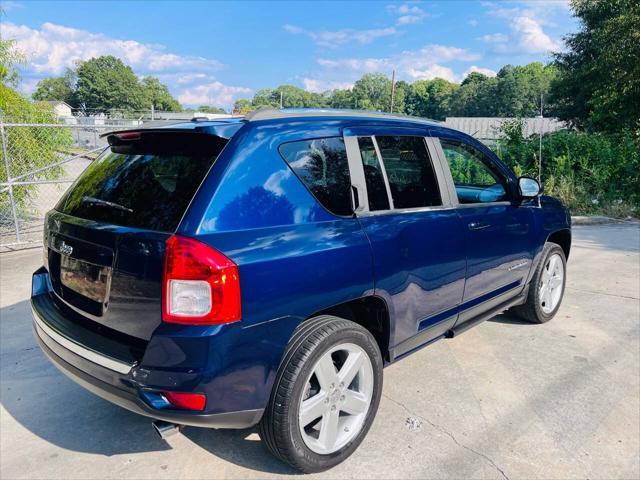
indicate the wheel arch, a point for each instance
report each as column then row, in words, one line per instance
column 371, row 312
column 563, row 238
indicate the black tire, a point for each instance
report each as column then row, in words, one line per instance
column 279, row 427
column 532, row 310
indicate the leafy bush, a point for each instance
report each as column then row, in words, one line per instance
column 590, row 173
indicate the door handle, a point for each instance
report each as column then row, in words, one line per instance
column 478, row 226
column 355, row 199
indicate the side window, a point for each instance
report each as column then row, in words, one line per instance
column 475, row 182
column 376, row 190
column 322, row 165
column 412, row 179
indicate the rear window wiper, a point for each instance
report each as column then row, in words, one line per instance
column 105, row 203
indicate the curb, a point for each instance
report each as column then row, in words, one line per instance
column 599, row 220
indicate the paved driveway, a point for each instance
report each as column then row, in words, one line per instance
column 503, row 400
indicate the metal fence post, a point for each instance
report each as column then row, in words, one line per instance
column 9, row 179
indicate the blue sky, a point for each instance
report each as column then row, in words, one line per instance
column 215, row 52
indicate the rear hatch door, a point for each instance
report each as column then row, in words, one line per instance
column 105, row 239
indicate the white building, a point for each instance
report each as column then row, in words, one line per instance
column 62, row 110
column 487, row 129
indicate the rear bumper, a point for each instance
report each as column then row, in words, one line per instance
column 114, row 378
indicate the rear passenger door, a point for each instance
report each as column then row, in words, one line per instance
column 416, row 234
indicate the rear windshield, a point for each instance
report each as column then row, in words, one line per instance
column 144, row 184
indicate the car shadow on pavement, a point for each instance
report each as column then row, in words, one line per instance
column 240, row 447
column 509, row 319
column 38, row 397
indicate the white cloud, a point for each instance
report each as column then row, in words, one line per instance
column 335, row 38
column 526, row 22
column 431, row 72
column 424, row 63
column 485, row 71
column 531, row 37
column 473, row 22
column 360, row 65
column 213, row 93
column 494, row 38
column 190, row 78
column 315, row 85
column 407, row 14
column 52, row 48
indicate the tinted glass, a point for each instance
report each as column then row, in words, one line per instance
column 376, row 191
column 322, row 165
column 411, row 176
column 475, row 182
column 137, row 189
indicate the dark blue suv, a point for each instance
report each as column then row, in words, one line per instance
column 263, row 270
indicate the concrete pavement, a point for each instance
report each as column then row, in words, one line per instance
column 504, row 400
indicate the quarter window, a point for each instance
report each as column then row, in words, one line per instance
column 475, row 182
column 322, row 166
column 412, row 179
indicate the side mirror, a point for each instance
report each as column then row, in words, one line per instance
column 529, row 187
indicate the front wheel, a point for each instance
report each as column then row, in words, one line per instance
column 547, row 286
column 325, row 396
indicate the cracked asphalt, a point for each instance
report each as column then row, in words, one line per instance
column 505, row 400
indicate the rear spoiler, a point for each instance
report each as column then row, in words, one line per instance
column 224, row 130
column 163, row 140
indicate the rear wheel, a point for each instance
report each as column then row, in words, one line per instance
column 547, row 286
column 326, row 394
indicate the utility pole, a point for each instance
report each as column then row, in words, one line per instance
column 152, row 113
column 393, row 89
column 540, row 145
column 280, row 98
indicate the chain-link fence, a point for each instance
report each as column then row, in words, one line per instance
column 39, row 159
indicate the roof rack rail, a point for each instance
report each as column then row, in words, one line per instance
column 272, row 113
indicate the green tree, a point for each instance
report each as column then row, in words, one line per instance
column 265, row 98
column 57, row 88
column 518, row 89
column 105, row 83
column 598, row 87
column 340, row 98
column 430, row 98
column 157, row 94
column 400, row 97
column 372, row 92
column 242, row 106
column 476, row 97
column 10, row 57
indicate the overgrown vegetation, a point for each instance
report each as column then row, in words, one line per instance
column 590, row 172
column 29, row 148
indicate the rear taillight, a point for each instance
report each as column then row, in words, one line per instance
column 200, row 286
column 186, row 401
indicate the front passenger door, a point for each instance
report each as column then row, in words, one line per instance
column 499, row 244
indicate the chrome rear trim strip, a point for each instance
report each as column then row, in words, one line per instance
column 92, row 356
